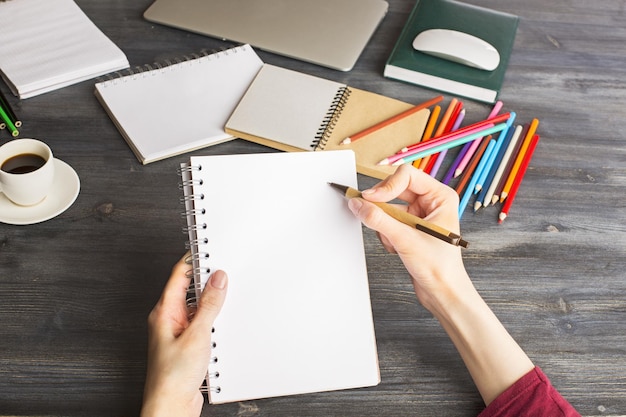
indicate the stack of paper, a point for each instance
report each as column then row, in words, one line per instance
column 49, row 44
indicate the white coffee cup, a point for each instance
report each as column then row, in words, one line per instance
column 26, row 171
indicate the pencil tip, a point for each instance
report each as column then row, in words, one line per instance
column 346, row 141
column 501, row 218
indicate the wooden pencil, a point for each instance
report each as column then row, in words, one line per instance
column 407, row 218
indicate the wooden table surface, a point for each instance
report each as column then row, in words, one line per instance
column 76, row 290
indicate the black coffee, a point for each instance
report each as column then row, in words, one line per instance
column 23, row 163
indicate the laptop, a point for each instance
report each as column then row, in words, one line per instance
column 330, row 33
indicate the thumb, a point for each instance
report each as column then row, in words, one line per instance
column 212, row 299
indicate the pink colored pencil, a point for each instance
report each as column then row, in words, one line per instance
column 433, row 143
column 442, row 154
column 469, row 151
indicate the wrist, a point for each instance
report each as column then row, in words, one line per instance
column 166, row 406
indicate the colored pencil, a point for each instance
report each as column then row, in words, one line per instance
column 441, row 128
column 469, row 190
column 9, row 110
column 501, row 138
column 504, row 212
column 448, row 177
column 518, row 160
column 481, row 199
column 392, row 120
column 509, row 165
column 467, row 174
column 472, row 127
column 451, row 144
column 432, row 143
column 489, row 197
column 439, row 160
column 430, row 127
column 469, row 150
column 8, row 122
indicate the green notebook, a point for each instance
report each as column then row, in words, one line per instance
column 494, row 27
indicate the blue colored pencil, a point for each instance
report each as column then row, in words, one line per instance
column 498, row 145
column 470, row 187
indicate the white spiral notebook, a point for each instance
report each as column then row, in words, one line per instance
column 297, row 318
column 168, row 109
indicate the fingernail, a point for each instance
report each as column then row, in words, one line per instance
column 368, row 191
column 218, row 280
column 355, row 204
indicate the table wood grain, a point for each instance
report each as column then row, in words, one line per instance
column 76, row 290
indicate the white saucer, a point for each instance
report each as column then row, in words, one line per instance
column 63, row 194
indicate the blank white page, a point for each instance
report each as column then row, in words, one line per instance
column 297, row 316
column 180, row 107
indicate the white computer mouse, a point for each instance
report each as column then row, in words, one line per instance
column 458, row 47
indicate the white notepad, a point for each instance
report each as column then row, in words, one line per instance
column 49, row 44
column 297, row 317
column 178, row 108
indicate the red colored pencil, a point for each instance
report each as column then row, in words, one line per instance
column 504, row 212
column 391, row 120
column 493, row 121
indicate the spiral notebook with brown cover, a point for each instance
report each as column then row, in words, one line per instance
column 293, row 111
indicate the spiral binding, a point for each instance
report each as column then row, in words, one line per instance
column 197, row 253
column 331, row 118
column 153, row 69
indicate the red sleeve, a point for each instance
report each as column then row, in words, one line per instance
column 531, row 396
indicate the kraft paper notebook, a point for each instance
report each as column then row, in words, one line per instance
column 297, row 318
column 494, row 27
column 293, row 111
column 167, row 109
column 49, row 44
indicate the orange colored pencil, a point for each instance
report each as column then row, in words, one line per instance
column 430, row 127
column 518, row 160
column 471, row 166
column 391, row 120
column 504, row 212
column 440, row 129
column 447, row 129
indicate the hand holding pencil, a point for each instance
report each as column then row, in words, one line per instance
column 426, row 198
column 429, row 261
